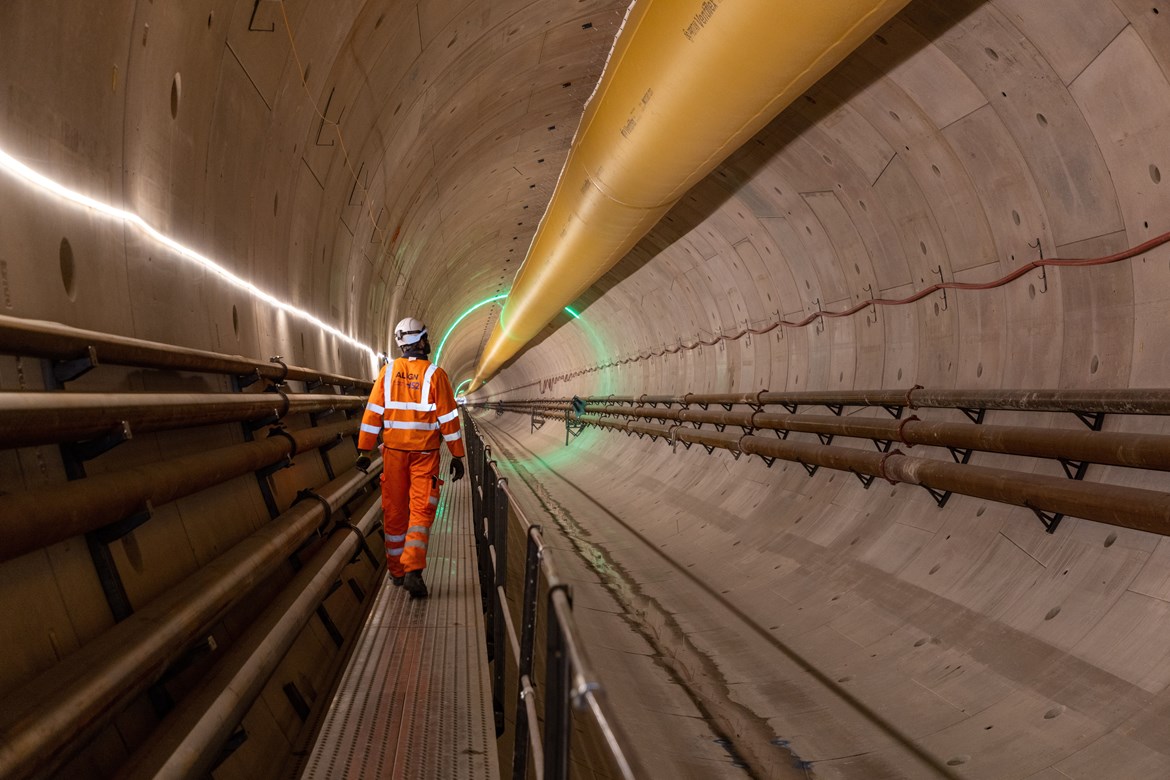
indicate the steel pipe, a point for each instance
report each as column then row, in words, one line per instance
column 52, row 340
column 37, row 518
column 1134, row 450
column 28, row 419
column 1124, row 401
column 44, row 722
column 1137, row 508
column 187, row 742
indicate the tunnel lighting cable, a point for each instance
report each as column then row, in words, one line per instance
column 462, row 385
column 27, row 175
column 680, row 346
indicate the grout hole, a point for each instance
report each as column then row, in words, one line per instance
column 1155, row 174
column 236, row 322
column 176, row 94
column 67, row 269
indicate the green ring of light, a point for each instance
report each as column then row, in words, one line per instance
column 460, row 318
column 462, row 385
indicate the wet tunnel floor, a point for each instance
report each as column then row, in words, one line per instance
column 710, row 689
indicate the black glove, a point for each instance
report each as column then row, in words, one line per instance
column 363, row 462
column 456, row 469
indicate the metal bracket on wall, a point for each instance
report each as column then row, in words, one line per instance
column 1050, row 520
column 58, row 372
column 941, row 497
column 83, row 451
column 1094, row 420
column 974, row 415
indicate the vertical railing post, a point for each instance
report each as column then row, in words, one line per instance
column 527, row 643
column 558, row 677
column 499, row 540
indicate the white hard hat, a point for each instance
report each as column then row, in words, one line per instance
column 409, row 331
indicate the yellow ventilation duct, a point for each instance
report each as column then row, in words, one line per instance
column 687, row 83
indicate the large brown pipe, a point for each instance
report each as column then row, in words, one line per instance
column 1126, row 401
column 186, row 743
column 37, row 518
column 37, row 338
column 45, row 418
column 1143, row 510
column 1136, row 450
column 1140, row 509
column 44, row 722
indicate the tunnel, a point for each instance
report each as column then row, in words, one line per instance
column 849, row 452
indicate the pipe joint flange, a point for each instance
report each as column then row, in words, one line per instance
column 881, row 469
column 341, row 525
column 309, row 495
column 909, row 400
column 278, row 430
column 279, row 360
column 280, row 415
column 901, row 431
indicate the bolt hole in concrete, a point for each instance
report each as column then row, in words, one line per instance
column 1155, row 174
column 957, row 760
column 1052, row 613
column 67, row 269
column 236, row 322
column 1043, row 120
column 1054, row 712
column 210, row 16
column 1015, row 216
column 1110, row 539
column 176, row 94
column 1094, row 365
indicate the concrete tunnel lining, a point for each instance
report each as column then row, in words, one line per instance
column 948, row 144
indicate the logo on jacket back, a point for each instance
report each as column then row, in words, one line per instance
column 410, row 379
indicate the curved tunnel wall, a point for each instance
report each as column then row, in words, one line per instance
column 952, row 140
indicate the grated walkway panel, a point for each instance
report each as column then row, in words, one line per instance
column 415, row 698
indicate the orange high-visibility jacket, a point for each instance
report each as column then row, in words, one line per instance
column 412, row 405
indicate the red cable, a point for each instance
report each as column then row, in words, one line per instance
column 1054, row 262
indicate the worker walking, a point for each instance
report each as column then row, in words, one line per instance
column 411, row 406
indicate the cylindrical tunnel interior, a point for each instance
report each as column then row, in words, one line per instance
column 365, row 161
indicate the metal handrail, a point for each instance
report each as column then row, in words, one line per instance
column 570, row 682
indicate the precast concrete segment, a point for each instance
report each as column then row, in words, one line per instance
column 685, row 85
column 188, row 742
column 49, row 718
column 43, row 418
column 34, row 519
column 415, row 698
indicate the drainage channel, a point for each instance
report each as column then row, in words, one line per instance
column 745, row 735
column 749, row 742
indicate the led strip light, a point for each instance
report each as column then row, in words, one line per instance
column 23, row 173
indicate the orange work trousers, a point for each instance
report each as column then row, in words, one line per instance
column 410, row 495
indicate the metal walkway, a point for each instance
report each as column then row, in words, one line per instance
column 414, row 701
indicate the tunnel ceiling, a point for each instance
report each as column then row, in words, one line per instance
column 397, row 162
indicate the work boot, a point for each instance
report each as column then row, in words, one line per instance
column 414, row 585
column 397, row 580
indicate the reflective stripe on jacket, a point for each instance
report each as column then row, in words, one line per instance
column 413, row 407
